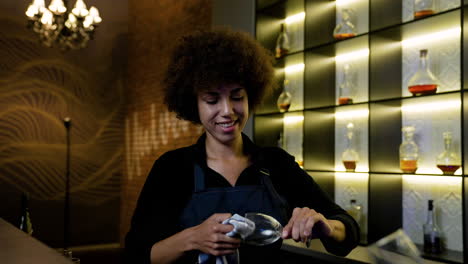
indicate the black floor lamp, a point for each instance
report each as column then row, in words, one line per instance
column 66, row 212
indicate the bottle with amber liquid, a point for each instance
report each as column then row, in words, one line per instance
column 345, row 29
column 448, row 161
column 346, row 88
column 285, row 98
column 423, row 82
column 432, row 234
column 25, row 223
column 282, row 43
column 423, row 8
column 408, row 151
column 350, row 157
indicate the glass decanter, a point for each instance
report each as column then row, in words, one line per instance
column 432, row 234
column 423, row 8
column 350, row 156
column 285, row 98
column 282, row 43
column 345, row 29
column 346, row 87
column 448, row 161
column 408, row 151
column 423, row 81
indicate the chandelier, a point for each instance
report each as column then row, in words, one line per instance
column 58, row 28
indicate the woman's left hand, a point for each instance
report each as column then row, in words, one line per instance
column 305, row 224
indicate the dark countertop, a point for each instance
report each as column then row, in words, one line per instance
column 16, row 247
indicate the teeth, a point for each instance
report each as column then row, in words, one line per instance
column 226, row 124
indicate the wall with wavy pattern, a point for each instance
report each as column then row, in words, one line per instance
column 40, row 86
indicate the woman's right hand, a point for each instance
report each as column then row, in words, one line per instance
column 210, row 236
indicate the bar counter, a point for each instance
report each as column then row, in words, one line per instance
column 17, row 247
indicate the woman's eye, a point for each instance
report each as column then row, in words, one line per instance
column 238, row 98
column 211, row 101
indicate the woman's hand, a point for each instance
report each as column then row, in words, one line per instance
column 210, row 236
column 305, row 224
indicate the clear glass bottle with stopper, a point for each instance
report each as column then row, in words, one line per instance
column 350, row 157
column 423, row 82
column 448, row 161
column 408, row 151
column 285, row 98
column 346, row 88
column 432, row 234
column 345, row 29
column 423, row 8
column 282, row 43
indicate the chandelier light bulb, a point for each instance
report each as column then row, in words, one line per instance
column 80, row 9
column 32, row 11
column 94, row 13
column 71, row 22
column 39, row 3
column 47, row 17
column 57, row 7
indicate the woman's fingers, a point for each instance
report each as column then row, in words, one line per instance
column 306, row 223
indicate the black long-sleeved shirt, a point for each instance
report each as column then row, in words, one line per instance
column 170, row 184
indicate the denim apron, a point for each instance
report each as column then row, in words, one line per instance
column 261, row 198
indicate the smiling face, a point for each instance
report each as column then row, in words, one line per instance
column 223, row 112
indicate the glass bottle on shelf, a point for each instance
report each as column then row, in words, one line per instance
column 355, row 210
column 346, row 87
column 423, row 82
column 432, row 238
column 350, row 156
column 345, row 29
column 448, row 161
column 423, row 8
column 408, row 151
column 25, row 223
column 282, row 43
column 284, row 99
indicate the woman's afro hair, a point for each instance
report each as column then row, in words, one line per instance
column 209, row 58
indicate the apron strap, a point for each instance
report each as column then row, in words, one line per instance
column 199, row 179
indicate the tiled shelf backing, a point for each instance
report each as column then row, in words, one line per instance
column 447, row 195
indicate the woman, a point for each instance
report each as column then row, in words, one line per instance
column 217, row 78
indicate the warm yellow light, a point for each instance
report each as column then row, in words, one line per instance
column 431, row 180
column 435, row 171
column 437, row 106
column 295, row 18
column 362, row 113
column 344, row 2
column 352, row 55
column 355, row 177
column 289, row 120
column 437, row 36
column 294, row 68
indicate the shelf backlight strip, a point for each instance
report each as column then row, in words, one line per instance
column 295, row 18
column 352, row 55
column 431, row 180
column 294, row 68
column 289, row 120
column 346, row 176
column 352, row 114
column 435, row 171
column 437, row 36
column 344, row 2
column 434, row 106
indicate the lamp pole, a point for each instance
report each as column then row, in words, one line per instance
column 66, row 213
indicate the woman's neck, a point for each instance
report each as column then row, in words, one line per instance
column 216, row 149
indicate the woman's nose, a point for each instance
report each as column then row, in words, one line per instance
column 227, row 107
